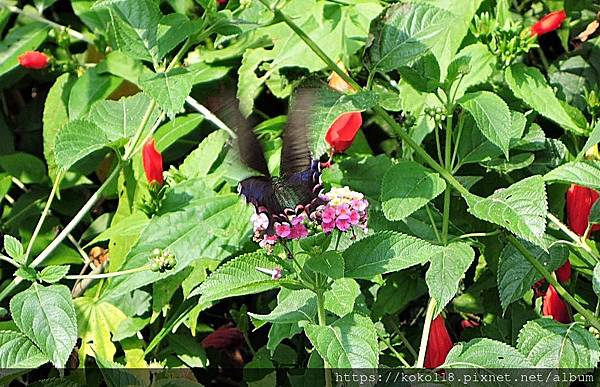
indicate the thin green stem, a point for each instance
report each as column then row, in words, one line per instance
column 398, row 356
column 588, row 315
column 433, row 225
column 578, row 241
column 209, row 116
column 405, row 341
column 134, row 140
column 9, row 260
column 323, row 322
column 108, row 275
column 425, row 336
column 477, row 234
column 44, row 214
column 448, row 167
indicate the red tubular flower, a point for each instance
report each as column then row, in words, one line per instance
column 554, row 306
column 34, row 60
column 579, row 203
column 153, row 163
column 548, row 23
column 439, row 344
column 342, row 132
column 225, row 337
column 563, row 273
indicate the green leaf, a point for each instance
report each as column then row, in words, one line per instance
column 46, row 315
column 327, row 107
column 292, row 306
column 529, row 84
column 425, row 74
column 593, row 139
column 279, row 332
column 119, row 120
column 88, row 89
column 193, row 222
column 169, row 133
column 27, row 273
column 55, row 116
column 53, row 274
column 596, row 279
column 516, row 275
column 550, row 344
column 350, row 342
column 25, row 167
column 492, row 116
column 514, row 163
column 236, row 278
column 14, row 248
column 329, row 263
column 76, row 140
column 200, row 161
column 408, row 186
column 169, row 89
column 585, row 173
column 342, row 297
column 97, row 320
column 404, row 33
column 485, row 353
column 116, row 375
column 448, row 265
column 521, row 208
column 19, row 40
column 17, row 351
column 385, row 252
column 397, row 292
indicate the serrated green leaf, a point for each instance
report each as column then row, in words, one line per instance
column 46, row 315
column 193, row 222
column 17, row 351
column 97, row 320
column 76, row 140
column 516, row 162
column 199, row 162
column 116, row 375
column 27, row 273
column 350, row 342
column 521, row 208
column 341, row 298
column 169, row 89
column 279, row 332
column 529, row 84
column 448, row 265
column 585, row 173
column 24, row 166
column 52, row 274
column 404, row 33
column 88, row 89
column 593, row 139
column 408, row 186
column 516, row 275
column 480, row 62
column 236, row 278
column 329, row 263
column 385, row 252
column 172, row 131
column 549, row 344
column 596, row 279
column 14, row 248
column 492, row 117
column 327, row 107
column 485, row 353
column 292, row 307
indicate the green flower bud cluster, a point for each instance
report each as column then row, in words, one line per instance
column 438, row 114
column 162, row 260
column 408, row 121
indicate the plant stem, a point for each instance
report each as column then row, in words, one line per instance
column 109, row 275
column 75, row 34
column 63, row 234
column 433, row 225
column 588, row 315
column 448, row 167
column 44, row 214
column 477, row 234
column 425, row 336
column 579, row 241
column 9, row 260
column 134, row 140
column 323, row 322
column 209, row 116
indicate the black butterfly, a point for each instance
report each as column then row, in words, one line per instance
column 298, row 186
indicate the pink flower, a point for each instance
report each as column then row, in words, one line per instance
column 260, row 221
column 354, row 218
column 328, row 226
column 359, row 204
column 298, row 231
column 276, row 274
column 342, row 224
column 328, row 215
column 297, row 220
column 282, row 229
column 268, row 240
column 343, row 211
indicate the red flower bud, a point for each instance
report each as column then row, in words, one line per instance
column 222, row 2
column 548, row 23
column 341, row 133
column 579, row 203
column 34, row 60
column 563, row 273
column 439, row 344
column 225, row 337
column 153, row 163
column 554, row 306
column 469, row 324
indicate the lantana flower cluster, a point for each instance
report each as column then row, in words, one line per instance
column 344, row 208
column 293, row 228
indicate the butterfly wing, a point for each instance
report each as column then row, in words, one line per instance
column 295, row 153
column 226, row 106
column 260, row 192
